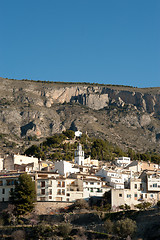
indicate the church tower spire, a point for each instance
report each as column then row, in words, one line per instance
column 79, row 155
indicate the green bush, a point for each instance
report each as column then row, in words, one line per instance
column 143, row 206
column 65, row 229
column 43, row 231
column 69, row 134
column 81, row 204
column 108, row 224
column 125, row 227
column 125, row 207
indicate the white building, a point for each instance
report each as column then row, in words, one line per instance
column 78, row 134
column 122, row 161
column 91, row 162
column 21, row 159
column 1, row 164
column 65, row 168
column 135, row 194
column 115, row 179
column 93, row 188
column 59, row 189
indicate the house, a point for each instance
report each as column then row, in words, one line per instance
column 59, row 189
column 78, row 134
column 91, row 162
column 152, row 179
column 65, row 168
column 122, row 161
column 7, row 184
column 114, row 178
column 135, row 194
column 139, row 166
column 93, row 187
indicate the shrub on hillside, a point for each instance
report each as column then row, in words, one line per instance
column 108, row 224
column 125, row 227
column 81, row 204
column 65, row 229
column 143, row 206
column 69, row 134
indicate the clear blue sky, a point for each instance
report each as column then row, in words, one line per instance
column 103, row 41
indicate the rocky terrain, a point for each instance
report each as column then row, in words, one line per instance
column 123, row 115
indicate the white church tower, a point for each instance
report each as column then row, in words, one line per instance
column 79, row 155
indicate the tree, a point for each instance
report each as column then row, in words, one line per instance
column 108, row 224
column 125, row 227
column 24, row 195
column 81, row 204
column 69, row 133
column 65, row 229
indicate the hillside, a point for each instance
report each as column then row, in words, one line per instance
column 30, row 111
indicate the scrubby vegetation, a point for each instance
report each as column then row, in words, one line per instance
column 81, row 221
column 62, row 146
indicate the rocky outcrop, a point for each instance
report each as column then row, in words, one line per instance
column 30, row 108
column 47, row 94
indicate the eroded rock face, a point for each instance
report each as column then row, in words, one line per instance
column 45, row 94
column 40, row 109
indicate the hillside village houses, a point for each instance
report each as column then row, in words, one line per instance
column 130, row 182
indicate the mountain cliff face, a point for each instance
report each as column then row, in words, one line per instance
column 126, row 116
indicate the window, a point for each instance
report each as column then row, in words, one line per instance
column 99, row 190
column 128, row 195
column 1, row 183
column 154, row 184
column 42, row 191
column 63, row 192
column 43, row 184
column 140, row 186
column 150, row 185
column 58, row 192
column 146, row 195
column 120, row 194
column 86, row 183
column 10, row 182
column 91, row 190
column 50, row 183
column 68, row 194
column 59, row 184
column 50, row 197
column 92, row 183
column 63, row 184
column 3, row 191
column 135, row 186
column 42, row 198
column 135, row 195
column 98, row 183
column 151, row 195
column 67, row 199
column 50, row 191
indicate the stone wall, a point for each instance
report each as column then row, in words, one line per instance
column 49, row 207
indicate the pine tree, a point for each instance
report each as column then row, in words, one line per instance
column 24, row 194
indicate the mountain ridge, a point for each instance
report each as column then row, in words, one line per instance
column 124, row 115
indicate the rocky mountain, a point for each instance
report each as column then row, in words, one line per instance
column 126, row 116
